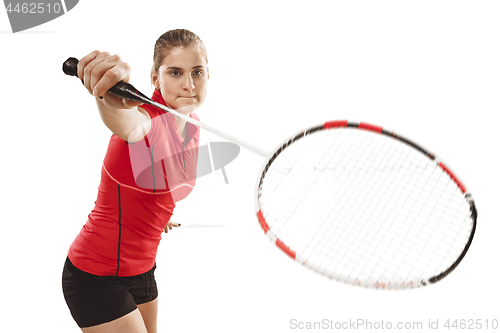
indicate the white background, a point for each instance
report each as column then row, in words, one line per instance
column 426, row 69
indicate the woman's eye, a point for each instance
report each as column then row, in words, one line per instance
column 198, row 73
column 175, row 73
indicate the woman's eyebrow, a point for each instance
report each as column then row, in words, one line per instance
column 178, row 68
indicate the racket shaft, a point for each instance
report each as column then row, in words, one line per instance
column 129, row 92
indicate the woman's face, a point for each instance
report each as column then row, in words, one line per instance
column 182, row 78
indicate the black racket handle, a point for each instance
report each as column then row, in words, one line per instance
column 121, row 89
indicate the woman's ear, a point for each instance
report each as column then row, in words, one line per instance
column 154, row 79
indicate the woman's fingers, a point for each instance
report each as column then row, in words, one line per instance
column 170, row 225
column 87, row 64
column 100, row 71
column 84, row 62
column 107, row 73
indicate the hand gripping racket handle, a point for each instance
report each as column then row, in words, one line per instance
column 121, row 89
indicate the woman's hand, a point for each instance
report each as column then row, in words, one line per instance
column 99, row 72
column 171, row 225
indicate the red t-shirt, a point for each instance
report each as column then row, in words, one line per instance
column 140, row 184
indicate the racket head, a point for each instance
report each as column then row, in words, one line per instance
column 362, row 205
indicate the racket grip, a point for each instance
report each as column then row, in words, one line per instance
column 121, row 89
column 70, row 67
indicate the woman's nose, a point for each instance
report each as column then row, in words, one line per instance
column 188, row 83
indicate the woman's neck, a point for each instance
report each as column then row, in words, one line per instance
column 181, row 126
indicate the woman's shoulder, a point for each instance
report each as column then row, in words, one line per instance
column 150, row 110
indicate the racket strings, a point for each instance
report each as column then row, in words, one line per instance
column 453, row 234
column 366, row 242
column 370, row 216
column 288, row 168
column 421, row 238
column 402, row 251
column 405, row 229
column 358, row 206
column 328, row 154
column 359, row 215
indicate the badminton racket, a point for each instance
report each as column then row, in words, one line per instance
column 356, row 203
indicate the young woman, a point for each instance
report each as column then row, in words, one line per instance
column 108, row 278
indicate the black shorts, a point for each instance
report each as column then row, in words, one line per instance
column 95, row 300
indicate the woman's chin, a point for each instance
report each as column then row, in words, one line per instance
column 186, row 109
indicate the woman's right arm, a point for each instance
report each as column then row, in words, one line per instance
column 100, row 71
